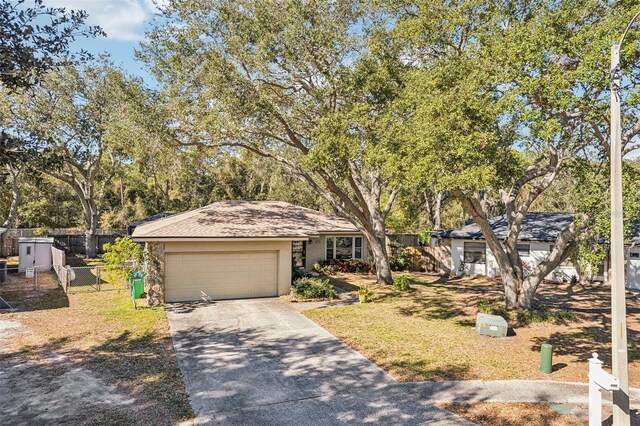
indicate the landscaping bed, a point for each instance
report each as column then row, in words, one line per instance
column 428, row 333
column 95, row 359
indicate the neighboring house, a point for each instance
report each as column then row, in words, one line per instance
column 537, row 237
column 132, row 226
column 241, row 249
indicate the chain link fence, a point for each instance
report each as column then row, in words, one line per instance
column 94, row 278
column 12, row 279
column 19, row 287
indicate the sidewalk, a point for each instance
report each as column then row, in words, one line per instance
column 507, row 391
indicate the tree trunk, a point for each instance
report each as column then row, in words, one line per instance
column 437, row 211
column 91, row 236
column 381, row 259
column 511, row 285
column 428, row 208
column 16, row 195
column 519, row 289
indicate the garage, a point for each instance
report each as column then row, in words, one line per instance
column 221, row 275
column 234, row 249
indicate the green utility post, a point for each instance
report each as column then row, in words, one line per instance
column 546, row 361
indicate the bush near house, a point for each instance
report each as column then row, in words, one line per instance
column 297, row 273
column 399, row 259
column 313, row 288
column 331, row 267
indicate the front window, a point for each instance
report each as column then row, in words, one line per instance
column 475, row 252
column 524, row 250
column 330, row 247
column 341, row 248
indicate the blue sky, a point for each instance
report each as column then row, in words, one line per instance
column 124, row 21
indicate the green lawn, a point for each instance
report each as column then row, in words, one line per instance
column 428, row 333
column 103, row 334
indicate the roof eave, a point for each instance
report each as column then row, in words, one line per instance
column 145, row 238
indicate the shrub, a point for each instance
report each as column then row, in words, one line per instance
column 560, row 316
column 324, row 268
column 123, row 249
column 313, row 288
column 298, row 273
column 494, row 307
column 364, row 294
column 330, row 267
column 40, row 232
column 462, row 269
column 425, row 237
column 401, row 283
column 525, row 316
column 400, row 259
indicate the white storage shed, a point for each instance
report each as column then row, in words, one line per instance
column 34, row 252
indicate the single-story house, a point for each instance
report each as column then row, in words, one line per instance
column 537, row 237
column 241, row 249
column 132, row 226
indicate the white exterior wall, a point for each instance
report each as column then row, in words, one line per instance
column 457, row 256
column 316, row 249
column 39, row 255
column 537, row 252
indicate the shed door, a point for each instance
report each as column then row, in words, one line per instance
column 220, row 275
column 27, row 256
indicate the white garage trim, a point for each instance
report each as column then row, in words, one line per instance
column 219, row 275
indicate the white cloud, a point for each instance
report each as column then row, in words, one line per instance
column 122, row 20
column 156, row 4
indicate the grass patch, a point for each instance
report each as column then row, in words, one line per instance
column 429, row 334
column 522, row 413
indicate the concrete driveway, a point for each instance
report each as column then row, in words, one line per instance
column 260, row 362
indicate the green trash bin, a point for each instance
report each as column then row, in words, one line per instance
column 137, row 284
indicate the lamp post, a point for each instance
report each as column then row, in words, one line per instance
column 618, row 303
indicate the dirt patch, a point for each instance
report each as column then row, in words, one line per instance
column 10, row 329
column 36, row 393
column 102, row 360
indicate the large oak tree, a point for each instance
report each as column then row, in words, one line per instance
column 82, row 113
column 507, row 96
column 307, row 84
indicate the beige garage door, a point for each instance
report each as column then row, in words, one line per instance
column 220, row 275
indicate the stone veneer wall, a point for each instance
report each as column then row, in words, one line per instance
column 154, row 279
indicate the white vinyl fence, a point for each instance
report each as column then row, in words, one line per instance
column 59, row 260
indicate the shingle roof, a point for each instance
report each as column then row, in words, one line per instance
column 535, row 227
column 245, row 219
column 150, row 219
